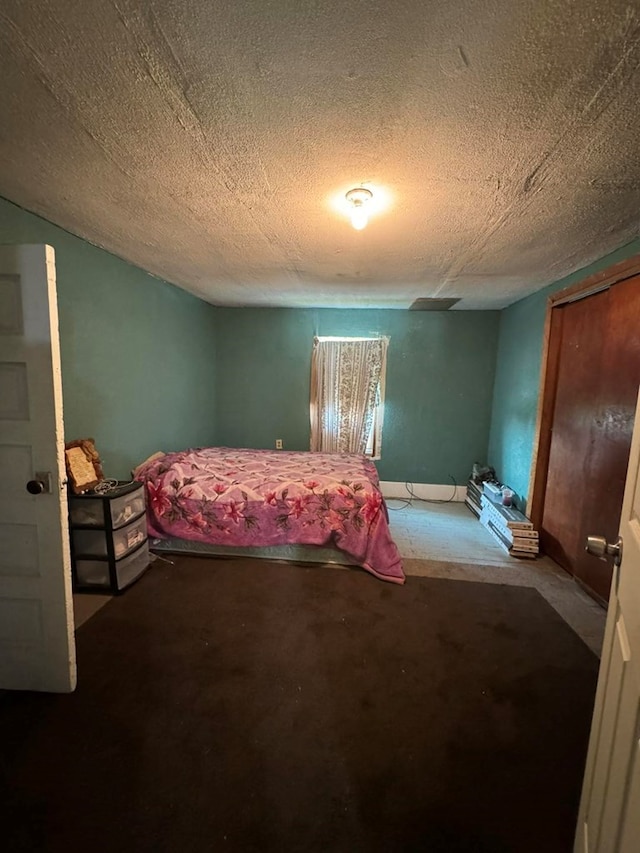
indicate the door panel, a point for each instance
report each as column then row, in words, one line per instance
column 37, row 649
column 609, row 818
column 580, row 356
column 612, row 427
column 599, row 373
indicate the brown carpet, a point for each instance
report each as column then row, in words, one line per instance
column 239, row 705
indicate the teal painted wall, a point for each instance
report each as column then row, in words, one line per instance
column 137, row 353
column 147, row 367
column 440, row 374
column 517, row 382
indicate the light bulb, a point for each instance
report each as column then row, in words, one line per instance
column 358, row 198
column 359, row 217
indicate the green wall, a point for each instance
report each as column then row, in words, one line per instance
column 440, row 374
column 137, row 353
column 517, row 382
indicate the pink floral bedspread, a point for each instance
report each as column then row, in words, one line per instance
column 257, row 498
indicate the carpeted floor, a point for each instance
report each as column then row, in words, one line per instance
column 239, row 705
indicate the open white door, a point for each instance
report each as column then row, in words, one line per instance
column 37, row 648
column 609, row 818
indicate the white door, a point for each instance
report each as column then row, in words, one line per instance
column 37, row 648
column 609, row 818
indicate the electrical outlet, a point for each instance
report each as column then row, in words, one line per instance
column 278, row 444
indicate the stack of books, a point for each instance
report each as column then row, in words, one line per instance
column 473, row 498
column 510, row 528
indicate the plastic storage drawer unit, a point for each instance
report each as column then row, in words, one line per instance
column 108, row 533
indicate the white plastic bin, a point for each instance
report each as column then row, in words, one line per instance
column 93, row 543
column 91, row 511
column 95, row 573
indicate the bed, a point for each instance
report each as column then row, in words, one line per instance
column 226, row 498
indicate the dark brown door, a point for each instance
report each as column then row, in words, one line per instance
column 596, row 393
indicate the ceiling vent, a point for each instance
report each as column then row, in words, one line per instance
column 428, row 304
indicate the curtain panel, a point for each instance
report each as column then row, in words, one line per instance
column 347, row 394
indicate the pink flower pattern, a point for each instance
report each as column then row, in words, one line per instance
column 158, row 499
column 257, row 497
column 372, row 506
column 298, row 505
column 233, row 510
column 199, row 521
column 336, row 521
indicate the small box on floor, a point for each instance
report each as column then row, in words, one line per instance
column 512, row 530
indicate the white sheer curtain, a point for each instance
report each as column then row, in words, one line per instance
column 347, row 394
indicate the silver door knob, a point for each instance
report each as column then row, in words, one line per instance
column 599, row 547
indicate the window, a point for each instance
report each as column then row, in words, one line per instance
column 347, row 394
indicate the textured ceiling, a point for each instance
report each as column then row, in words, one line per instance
column 212, row 142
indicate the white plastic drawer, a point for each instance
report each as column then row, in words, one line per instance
column 92, row 573
column 91, row 511
column 93, row 543
column 95, row 573
column 132, row 567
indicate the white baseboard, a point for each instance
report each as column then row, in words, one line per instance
column 423, row 491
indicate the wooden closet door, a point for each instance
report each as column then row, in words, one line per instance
column 598, row 379
column 612, row 428
column 581, row 344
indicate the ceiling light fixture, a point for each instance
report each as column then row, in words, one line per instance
column 358, row 199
